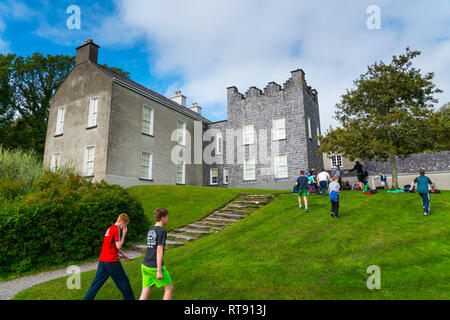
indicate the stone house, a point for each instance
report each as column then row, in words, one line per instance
column 117, row 130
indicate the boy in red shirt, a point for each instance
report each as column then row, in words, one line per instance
column 109, row 264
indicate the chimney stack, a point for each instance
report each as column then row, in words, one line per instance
column 179, row 98
column 196, row 108
column 87, row 52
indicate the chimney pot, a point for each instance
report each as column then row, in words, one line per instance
column 87, row 52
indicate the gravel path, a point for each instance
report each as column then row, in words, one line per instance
column 9, row 289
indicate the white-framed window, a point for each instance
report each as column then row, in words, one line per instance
column 147, row 119
column 89, row 157
column 249, row 133
column 60, row 120
column 181, row 172
column 309, row 128
column 213, row 176
column 219, row 141
column 249, row 169
column 93, row 109
column 336, row 160
column 280, row 166
column 54, row 165
column 181, row 126
column 225, row 176
column 146, row 165
column 279, row 129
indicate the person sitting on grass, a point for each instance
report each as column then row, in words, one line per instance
column 302, row 183
column 154, row 272
column 334, row 189
column 109, row 264
column 422, row 188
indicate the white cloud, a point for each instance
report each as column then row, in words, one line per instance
column 211, row 45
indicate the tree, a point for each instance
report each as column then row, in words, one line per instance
column 439, row 125
column 119, row 71
column 386, row 115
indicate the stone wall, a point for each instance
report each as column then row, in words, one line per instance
column 430, row 162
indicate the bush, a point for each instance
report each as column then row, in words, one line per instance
column 64, row 219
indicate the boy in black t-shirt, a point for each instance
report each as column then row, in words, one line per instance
column 302, row 183
column 153, row 270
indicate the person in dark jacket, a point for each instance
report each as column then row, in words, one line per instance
column 360, row 171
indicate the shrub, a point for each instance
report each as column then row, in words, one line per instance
column 64, row 219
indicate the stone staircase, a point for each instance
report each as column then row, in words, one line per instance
column 234, row 211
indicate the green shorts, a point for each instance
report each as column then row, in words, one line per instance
column 303, row 193
column 149, row 277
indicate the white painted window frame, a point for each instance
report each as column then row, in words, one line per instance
column 219, row 143
column 211, row 176
column 53, row 166
column 337, row 162
column 149, row 167
column 60, row 120
column 151, row 121
column 276, row 129
column 183, row 173
column 226, row 176
column 181, row 135
column 246, row 134
column 277, row 166
column 86, row 160
column 246, row 164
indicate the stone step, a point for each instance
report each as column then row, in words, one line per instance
column 192, row 231
column 224, row 210
column 180, row 236
column 202, row 227
column 141, row 247
column 230, row 215
column 221, row 220
column 232, row 206
column 175, row 243
column 259, row 202
column 213, row 223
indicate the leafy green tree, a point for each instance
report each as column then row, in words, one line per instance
column 440, row 128
column 119, row 71
column 386, row 114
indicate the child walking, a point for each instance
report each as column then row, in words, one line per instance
column 422, row 188
column 109, row 264
column 154, row 272
column 333, row 189
column 302, row 183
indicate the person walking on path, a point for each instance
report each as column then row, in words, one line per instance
column 422, row 188
column 154, row 272
column 334, row 189
column 109, row 264
column 302, row 183
column 323, row 178
column 338, row 173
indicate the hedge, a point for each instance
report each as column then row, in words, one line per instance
column 64, row 219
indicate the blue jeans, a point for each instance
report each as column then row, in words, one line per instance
column 425, row 201
column 323, row 185
column 116, row 272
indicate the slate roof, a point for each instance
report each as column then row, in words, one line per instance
column 152, row 93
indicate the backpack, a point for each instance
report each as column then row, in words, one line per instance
column 334, row 196
column 295, row 189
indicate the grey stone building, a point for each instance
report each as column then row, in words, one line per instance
column 116, row 130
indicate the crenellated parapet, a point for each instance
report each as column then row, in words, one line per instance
column 297, row 80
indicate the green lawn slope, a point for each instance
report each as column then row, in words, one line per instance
column 281, row 252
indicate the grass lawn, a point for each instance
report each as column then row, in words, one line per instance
column 187, row 203
column 281, row 252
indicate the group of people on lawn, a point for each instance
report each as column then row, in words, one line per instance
column 154, row 273
column 310, row 181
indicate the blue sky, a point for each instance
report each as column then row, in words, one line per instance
column 202, row 47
